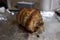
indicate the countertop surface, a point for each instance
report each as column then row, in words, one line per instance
column 9, row 29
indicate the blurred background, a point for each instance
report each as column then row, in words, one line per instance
column 39, row 4
column 50, row 10
column 12, row 3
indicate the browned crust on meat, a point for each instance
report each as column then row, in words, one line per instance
column 26, row 15
column 27, row 22
column 19, row 15
column 30, row 19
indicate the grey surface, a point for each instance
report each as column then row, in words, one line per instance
column 52, row 25
column 9, row 29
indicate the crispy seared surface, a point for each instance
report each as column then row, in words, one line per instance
column 31, row 19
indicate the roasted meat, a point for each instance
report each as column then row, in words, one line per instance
column 30, row 18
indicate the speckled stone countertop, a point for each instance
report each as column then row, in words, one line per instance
column 9, row 29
